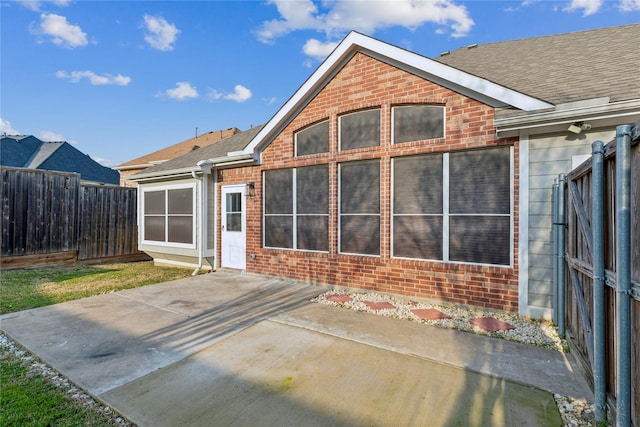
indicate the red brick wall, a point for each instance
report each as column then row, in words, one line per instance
column 365, row 82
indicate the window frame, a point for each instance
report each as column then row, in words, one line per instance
column 393, row 121
column 447, row 215
column 306, row 128
column 351, row 113
column 340, row 214
column 165, row 189
column 294, row 215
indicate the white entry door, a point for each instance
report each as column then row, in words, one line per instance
column 234, row 238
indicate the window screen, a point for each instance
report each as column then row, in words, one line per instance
column 480, row 206
column 417, row 123
column 296, row 210
column 467, row 193
column 313, row 139
column 360, row 207
column 168, row 216
column 418, row 207
column 359, row 130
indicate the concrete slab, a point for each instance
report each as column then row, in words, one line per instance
column 233, row 349
column 542, row 368
column 108, row 340
column 273, row 375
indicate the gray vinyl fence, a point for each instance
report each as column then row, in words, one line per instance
column 597, row 271
column 50, row 217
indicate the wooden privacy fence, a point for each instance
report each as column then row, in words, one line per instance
column 597, row 272
column 51, row 217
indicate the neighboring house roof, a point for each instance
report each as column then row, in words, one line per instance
column 178, row 149
column 226, row 149
column 560, row 68
column 31, row 153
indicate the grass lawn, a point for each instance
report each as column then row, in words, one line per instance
column 27, row 398
column 31, row 288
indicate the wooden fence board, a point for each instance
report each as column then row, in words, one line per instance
column 579, row 304
column 49, row 212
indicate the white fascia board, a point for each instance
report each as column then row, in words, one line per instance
column 163, row 174
column 596, row 115
column 475, row 87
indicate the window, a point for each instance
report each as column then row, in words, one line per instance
column 360, row 129
column 297, row 199
column 313, row 139
column 453, row 206
column 168, row 215
column 417, row 123
column 360, row 207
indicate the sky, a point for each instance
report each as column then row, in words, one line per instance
column 122, row 79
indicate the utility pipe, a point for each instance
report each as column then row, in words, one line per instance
column 623, row 275
column 599, row 332
column 561, row 255
column 554, row 238
column 205, row 168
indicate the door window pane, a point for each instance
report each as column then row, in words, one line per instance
column 359, row 130
column 234, row 212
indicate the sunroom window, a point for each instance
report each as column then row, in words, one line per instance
column 360, row 207
column 168, row 215
column 453, row 206
column 417, row 123
column 360, row 129
column 296, row 208
column 313, row 139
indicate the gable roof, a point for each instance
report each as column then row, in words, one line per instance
column 444, row 75
column 560, row 68
column 178, row 149
column 32, row 153
column 228, row 150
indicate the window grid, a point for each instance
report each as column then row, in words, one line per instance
column 166, row 216
column 447, row 215
column 294, row 218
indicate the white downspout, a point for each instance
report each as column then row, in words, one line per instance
column 205, row 168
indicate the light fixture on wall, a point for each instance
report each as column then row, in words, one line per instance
column 578, row 127
column 251, row 189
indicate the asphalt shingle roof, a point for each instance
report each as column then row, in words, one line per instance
column 236, row 142
column 560, row 68
column 32, row 153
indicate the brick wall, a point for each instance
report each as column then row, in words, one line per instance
column 363, row 83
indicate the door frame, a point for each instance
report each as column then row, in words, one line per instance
column 224, row 190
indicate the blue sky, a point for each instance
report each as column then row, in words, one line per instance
column 121, row 79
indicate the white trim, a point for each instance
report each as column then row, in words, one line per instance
column 193, row 186
column 523, row 231
column 475, row 87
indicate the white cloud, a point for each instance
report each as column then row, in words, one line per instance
column 364, row 16
column 213, row 95
column 589, row 7
column 6, row 128
column 94, row 79
column 240, row 94
column 51, row 136
column 106, row 162
column 630, row 5
column 160, row 34
column 182, row 91
column 61, row 32
column 37, row 5
column 317, row 49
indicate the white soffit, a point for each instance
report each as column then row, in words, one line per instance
column 467, row 84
